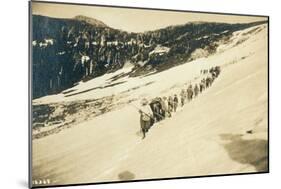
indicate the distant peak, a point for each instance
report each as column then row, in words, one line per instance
column 90, row 20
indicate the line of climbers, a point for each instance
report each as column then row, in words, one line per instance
column 160, row 108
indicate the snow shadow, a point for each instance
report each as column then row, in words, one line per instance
column 94, row 88
column 253, row 152
column 126, row 175
column 69, row 91
column 119, row 76
column 137, row 87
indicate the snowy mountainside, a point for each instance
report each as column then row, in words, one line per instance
column 67, row 51
column 114, row 90
column 222, row 131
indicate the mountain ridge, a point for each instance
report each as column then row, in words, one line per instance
column 90, row 20
column 66, row 51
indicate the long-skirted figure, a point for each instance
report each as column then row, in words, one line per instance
column 145, row 116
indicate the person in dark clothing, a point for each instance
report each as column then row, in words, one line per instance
column 196, row 90
column 176, row 101
column 217, row 70
column 159, row 110
column 214, row 74
column 213, row 78
column 170, row 104
column 183, row 96
column 189, row 93
column 207, row 82
column 163, row 110
column 155, row 110
column 202, row 85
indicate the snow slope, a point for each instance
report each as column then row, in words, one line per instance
column 222, row 131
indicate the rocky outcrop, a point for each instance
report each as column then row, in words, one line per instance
column 66, row 51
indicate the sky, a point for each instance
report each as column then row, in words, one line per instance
column 134, row 20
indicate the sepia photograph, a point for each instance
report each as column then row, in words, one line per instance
column 122, row 94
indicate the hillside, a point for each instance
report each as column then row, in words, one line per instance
column 223, row 130
column 66, row 51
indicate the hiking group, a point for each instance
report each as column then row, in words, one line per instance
column 160, row 108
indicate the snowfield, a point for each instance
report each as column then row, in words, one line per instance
column 222, row 131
